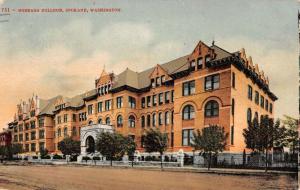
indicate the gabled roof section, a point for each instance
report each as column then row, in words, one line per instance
column 127, row 77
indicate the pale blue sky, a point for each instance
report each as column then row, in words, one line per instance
column 54, row 49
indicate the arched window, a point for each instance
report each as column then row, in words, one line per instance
column 90, row 122
column 160, row 119
column 167, row 118
column 188, row 112
column 107, row 121
column 119, row 121
column 154, row 120
column 148, row 120
column 143, row 121
column 65, row 131
column 131, row 121
column 59, row 132
column 212, row 109
column 99, row 121
column 256, row 116
column 249, row 115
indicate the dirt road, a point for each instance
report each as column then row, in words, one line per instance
column 85, row 178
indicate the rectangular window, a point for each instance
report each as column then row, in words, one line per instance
column 160, row 98
column 158, row 82
column 143, row 102
column 256, row 98
column 27, row 147
column 32, row 124
column 271, row 108
column 212, row 82
column 267, row 105
column 249, row 92
column 262, row 101
column 32, row 135
column 192, row 65
column 27, row 136
column 26, row 126
column 20, row 127
column 199, row 63
column 148, row 101
column 65, row 118
column 90, row 109
column 167, row 97
column 188, row 88
column 58, row 119
column 33, row 147
column 163, row 78
column 148, row 120
column 74, row 117
column 107, row 105
column 119, row 102
column 41, row 134
column 131, row 102
column 207, row 59
column 21, row 137
column 41, row 122
column 99, row 107
column 233, row 80
column 172, row 96
column 152, row 83
column 187, row 137
column 154, row 101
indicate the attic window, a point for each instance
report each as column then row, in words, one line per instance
column 152, row 83
column 193, row 65
column 163, row 78
column 200, row 63
column 207, row 59
column 158, row 81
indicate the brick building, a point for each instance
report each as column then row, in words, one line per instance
column 208, row 86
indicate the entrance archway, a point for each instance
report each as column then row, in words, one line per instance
column 90, row 144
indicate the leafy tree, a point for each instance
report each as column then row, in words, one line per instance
column 290, row 137
column 130, row 147
column 2, row 153
column 111, row 145
column 210, row 141
column 155, row 141
column 262, row 137
column 68, row 146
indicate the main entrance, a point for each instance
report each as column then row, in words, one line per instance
column 90, row 144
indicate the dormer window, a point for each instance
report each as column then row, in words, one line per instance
column 207, row 59
column 193, row 65
column 152, row 83
column 199, row 63
column 158, row 81
column 163, row 78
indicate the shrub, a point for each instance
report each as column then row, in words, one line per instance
column 148, row 158
column 86, row 158
column 96, row 158
column 57, row 157
column 46, row 157
column 34, row 157
column 167, row 159
column 73, row 158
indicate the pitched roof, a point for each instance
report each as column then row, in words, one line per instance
column 137, row 80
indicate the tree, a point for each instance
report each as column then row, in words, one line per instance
column 2, row 153
column 261, row 137
column 210, row 141
column 130, row 148
column 43, row 152
column 111, row 145
column 290, row 137
column 68, row 146
column 155, row 141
